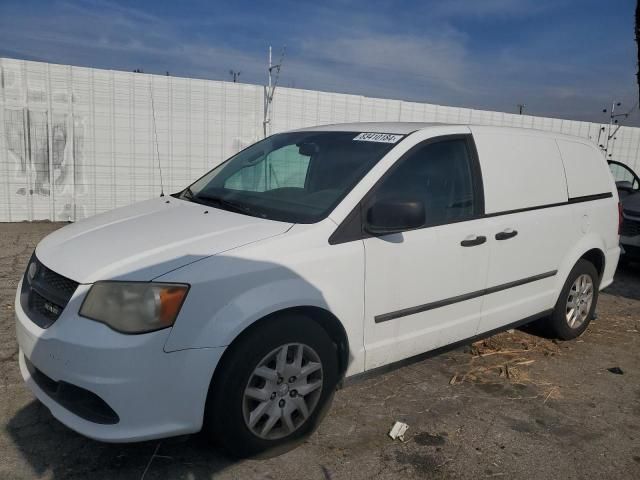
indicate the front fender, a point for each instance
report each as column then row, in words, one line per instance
column 246, row 308
column 228, row 294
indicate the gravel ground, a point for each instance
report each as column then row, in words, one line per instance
column 517, row 405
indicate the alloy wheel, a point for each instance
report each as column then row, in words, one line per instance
column 579, row 301
column 283, row 391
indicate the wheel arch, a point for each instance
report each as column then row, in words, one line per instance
column 216, row 425
column 323, row 317
column 590, row 248
column 559, row 324
column 597, row 258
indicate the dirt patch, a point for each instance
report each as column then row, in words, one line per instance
column 422, row 463
column 521, row 407
column 508, row 358
column 427, row 439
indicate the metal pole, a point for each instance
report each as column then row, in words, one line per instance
column 613, row 108
column 269, row 69
column 270, row 88
column 267, row 97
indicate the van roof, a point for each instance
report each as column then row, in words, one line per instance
column 401, row 128
column 404, row 128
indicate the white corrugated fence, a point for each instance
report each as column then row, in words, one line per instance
column 78, row 141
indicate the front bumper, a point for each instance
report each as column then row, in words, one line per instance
column 153, row 393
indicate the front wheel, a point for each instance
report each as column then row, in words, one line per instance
column 577, row 302
column 273, row 386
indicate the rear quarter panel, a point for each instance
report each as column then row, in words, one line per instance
column 588, row 175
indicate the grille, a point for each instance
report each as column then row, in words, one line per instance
column 58, row 283
column 39, row 305
column 82, row 402
column 630, row 228
column 44, row 295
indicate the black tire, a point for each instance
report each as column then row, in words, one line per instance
column 224, row 416
column 557, row 321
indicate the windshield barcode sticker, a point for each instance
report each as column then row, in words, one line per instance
column 378, row 137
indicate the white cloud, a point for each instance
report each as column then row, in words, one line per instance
column 432, row 60
column 491, row 8
column 360, row 54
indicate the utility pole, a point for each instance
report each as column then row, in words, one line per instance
column 235, row 75
column 271, row 88
column 521, row 108
column 613, row 125
column 269, row 67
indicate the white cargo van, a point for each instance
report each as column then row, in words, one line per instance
column 239, row 304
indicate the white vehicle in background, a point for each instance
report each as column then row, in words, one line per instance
column 239, row 304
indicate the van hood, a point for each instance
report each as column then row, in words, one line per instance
column 143, row 241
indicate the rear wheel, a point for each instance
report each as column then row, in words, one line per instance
column 577, row 302
column 274, row 384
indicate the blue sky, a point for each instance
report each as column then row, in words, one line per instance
column 562, row 58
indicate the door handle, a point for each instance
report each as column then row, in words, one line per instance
column 506, row 234
column 473, row 240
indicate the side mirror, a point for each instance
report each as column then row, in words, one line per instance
column 393, row 216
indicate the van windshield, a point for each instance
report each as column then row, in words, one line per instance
column 294, row 177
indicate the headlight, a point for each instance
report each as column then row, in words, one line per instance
column 134, row 307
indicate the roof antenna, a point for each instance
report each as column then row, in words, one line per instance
column 155, row 135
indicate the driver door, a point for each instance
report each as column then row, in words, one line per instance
column 423, row 287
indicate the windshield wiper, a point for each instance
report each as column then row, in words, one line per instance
column 226, row 204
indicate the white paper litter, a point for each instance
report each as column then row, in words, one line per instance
column 398, row 430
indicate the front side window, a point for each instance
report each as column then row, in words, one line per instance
column 437, row 174
column 292, row 177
